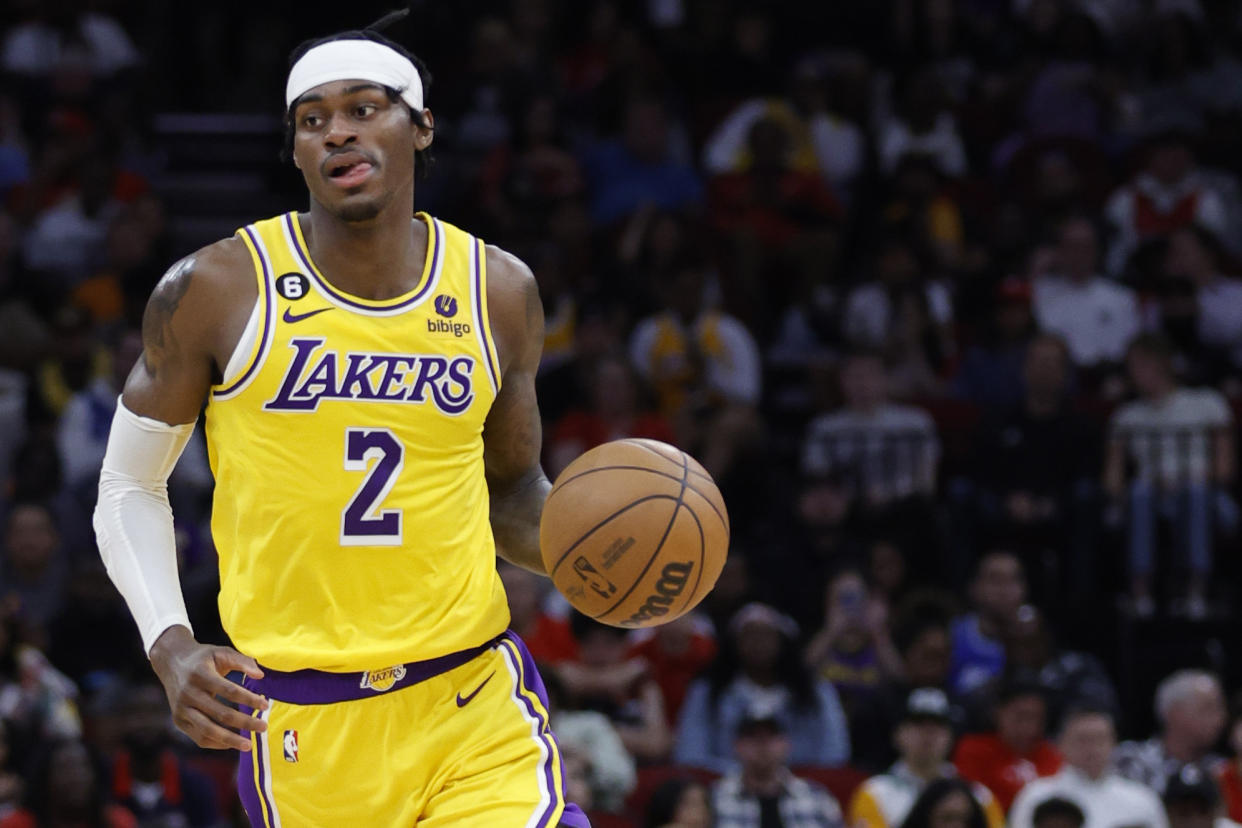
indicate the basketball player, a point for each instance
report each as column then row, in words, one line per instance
column 372, row 426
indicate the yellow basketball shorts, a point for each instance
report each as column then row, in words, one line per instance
column 461, row 740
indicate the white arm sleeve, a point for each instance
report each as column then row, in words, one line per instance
column 134, row 523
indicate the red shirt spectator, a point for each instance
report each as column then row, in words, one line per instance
column 1017, row 752
column 1231, row 789
column 675, row 653
column 985, row 759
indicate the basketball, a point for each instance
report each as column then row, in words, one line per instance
column 634, row 533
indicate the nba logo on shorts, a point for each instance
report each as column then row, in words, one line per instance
column 291, row 746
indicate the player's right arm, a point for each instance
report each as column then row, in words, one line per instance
column 192, row 323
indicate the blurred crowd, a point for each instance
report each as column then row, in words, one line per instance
column 942, row 292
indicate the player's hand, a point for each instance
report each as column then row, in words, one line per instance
column 193, row 675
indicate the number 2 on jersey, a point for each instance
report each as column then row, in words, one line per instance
column 363, row 523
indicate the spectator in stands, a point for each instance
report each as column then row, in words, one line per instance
column 825, row 142
column 759, row 662
column 704, row 367
column 1058, row 813
column 1095, row 317
column 853, row 650
column 997, row 591
column 991, row 371
column 923, row 738
column 11, row 783
column 680, row 803
column 888, row 452
column 1180, row 443
column 590, row 735
column 1069, row 679
column 616, row 412
column 1016, row 751
column 1195, row 254
column 920, row 206
column 1168, row 194
column 763, row 791
column 67, row 788
column 604, row 679
column 1190, row 707
column 922, row 122
column 1087, row 741
column 82, row 433
column 921, row 636
column 1230, row 778
column 1193, row 801
column 871, row 309
column 675, row 653
column 34, row 564
column 58, row 35
column 148, row 778
column 94, row 638
column 945, row 803
column 37, row 702
column 639, row 167
column 548, row 637
column 1036, row 463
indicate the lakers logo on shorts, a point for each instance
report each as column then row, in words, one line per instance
column 381, row 680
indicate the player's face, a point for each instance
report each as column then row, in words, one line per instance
column 355, row 148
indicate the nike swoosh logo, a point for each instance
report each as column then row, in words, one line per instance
column 290, row 316
column 462, row 701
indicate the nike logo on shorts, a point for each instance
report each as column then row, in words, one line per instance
column 462, row 701
column 290, row 316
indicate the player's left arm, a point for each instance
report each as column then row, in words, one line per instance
column 513, row 432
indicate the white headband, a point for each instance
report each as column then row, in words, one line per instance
column 365, row 60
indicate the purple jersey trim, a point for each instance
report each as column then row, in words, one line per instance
column 307, row 687
column 344, row 299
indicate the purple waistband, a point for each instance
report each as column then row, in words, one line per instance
column 307, row 687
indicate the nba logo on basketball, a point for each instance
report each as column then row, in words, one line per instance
column 291, row 746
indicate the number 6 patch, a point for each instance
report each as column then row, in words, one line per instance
column 292, row 285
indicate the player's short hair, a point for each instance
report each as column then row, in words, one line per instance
column 373, row 33
column 1176, row 688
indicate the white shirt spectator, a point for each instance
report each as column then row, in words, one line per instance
column 36, row 48
column 592, row 735
column 1148, row 763
column 1170, row 440
column 801, row 804
column 1107, row 802
column 1096, row 318
column 869, row 312
column 942, row 143
column 67, row 242
column 887, row 454
column 1220, row 316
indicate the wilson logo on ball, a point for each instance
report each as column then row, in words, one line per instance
column 672, row 581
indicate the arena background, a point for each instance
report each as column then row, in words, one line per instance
column 912, row 240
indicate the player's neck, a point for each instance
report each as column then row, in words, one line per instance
column 376, row 259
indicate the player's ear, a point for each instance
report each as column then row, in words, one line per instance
column 424, row 135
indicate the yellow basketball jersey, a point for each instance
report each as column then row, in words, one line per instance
column 351, row 509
